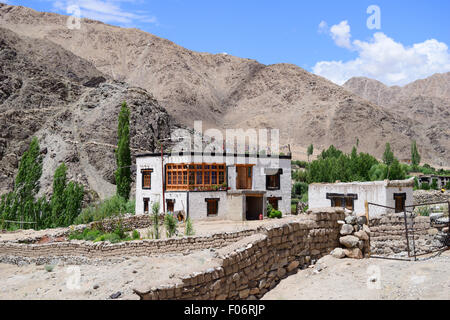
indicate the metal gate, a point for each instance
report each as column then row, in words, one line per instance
column 418, row 231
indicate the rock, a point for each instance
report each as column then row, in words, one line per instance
column 349, row 241
column 350, row 219
column 366, row 229
column 361, row 220
column 353, row 253
column 116, row 295
column 338, row 253
column 96, row 286
column 346, row 229
column 433, row 231
column 445, row 230
column 356, row 227
column 293, row 265
column 361, row 234
column 442, row 220
column 244, row 293
column 281, row 272
column 436, row 215
column 341, row 222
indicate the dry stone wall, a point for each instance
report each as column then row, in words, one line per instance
column 388, row 234
column 249, row 272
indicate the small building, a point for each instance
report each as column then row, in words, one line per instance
column 213, row 186
column 352, row 195
column 441, row 181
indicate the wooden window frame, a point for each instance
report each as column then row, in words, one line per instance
column 147, row 201
column 277, row 178
column 401, row 196
column 342, row 198
column 212, row 204
column 144, row 173
column 248, row 176
column 193, row 176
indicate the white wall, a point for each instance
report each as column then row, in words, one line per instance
column 198, row 206
column 376, row 192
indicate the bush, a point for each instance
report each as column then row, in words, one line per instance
column 275, row 214
column 136, row 235
column 189, row 229
column 424, row 211
column 171, row 225
column 109, row 208
column 425, row 186
column 293, row 209
column 300, row 188
column 155, row 220
column 49, row 267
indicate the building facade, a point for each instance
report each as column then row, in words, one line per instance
column 353, row 195
column 441, row 181
column 213, row 186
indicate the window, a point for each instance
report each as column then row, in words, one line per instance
column 399, row 202
column 212, row 207
column 273, row 180
column 343, row 200
column 243, row 176
column 146, row 178
column 194, row 176
column 274, row 202
column 146, row 205
column 170, row 205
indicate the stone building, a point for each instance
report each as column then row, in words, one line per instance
column 394, row 194
column 213, row 186
column 441, row 181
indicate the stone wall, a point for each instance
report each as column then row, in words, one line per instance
column 249, row 272
column 430, row 196
column 388, row 235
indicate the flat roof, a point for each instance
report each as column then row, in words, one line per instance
column 386, row 183
column 224, row 154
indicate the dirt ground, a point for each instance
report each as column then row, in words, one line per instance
column 78, row 282
column 368, row 279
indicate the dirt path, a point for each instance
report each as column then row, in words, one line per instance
column 350, row 279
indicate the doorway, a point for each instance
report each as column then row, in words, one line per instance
column 253, row 207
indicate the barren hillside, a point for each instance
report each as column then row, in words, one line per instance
column 231, row 92
column 48, row 92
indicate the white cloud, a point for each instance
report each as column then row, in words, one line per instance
column 386, row 60
column 323, row 27
column 108, row 11
column 341, row 34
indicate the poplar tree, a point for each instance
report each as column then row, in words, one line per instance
column 58, row 201
column 310, row 150
column 388, row 155
column 415, row 156
column 123, row 154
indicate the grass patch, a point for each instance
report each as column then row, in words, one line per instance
column 110, row 208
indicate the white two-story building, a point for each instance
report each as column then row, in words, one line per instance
column 213, row 186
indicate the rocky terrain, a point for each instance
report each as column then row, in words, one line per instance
column 424, row 103
column 231, row 92
column 48, row 92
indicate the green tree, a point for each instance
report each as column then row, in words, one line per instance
column 388, row 155
column 123, row 154
column 415, row 156
column 26, row 187
column 58, row 201
column 396, row 171
column 73, row 196
column 310, row 150
column 434, row 185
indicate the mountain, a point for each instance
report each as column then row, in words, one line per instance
column 425, row 103
column 48, row 92
column 230, row 92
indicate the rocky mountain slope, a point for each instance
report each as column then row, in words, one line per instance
column 48, row 92
column 230, row 92
column 425, row 103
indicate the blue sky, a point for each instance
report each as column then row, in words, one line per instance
column 412, row 41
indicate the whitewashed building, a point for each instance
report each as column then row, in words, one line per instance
column 394, row 194
column 213, row 186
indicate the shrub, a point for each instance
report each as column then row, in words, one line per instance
column 275, row 214
column 293, row 209
column 434, row 185
column 269, row 209
column 424, row 211
column 136, row 235
column 155, row 220
column 189, row 229
column 425, row 186
column 109, row 208
column 171, row 225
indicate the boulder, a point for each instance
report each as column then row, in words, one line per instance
column 366, row 229
column 361, row 234
column 350, row 219
column 346, row 229
column 361, row 220
column 338, row 253
column 293, row 265
column 353, row 253
column 341, row 222
column 349, row 241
